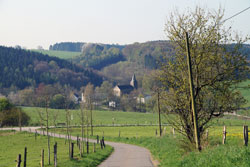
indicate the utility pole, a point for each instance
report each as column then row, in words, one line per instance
column 159, row 109
column 196, row 132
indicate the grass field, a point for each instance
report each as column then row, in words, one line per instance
column 116, row 117
column 60, row 54
column 99, row 117
column 13, row 144
column 169, row 149
column 245, row 91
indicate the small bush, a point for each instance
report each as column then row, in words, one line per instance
column 11, row 115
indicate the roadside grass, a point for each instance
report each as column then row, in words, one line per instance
column 169, row 149
column 13, row 144
column 59, row 54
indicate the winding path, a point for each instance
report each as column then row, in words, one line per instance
column 124, row 155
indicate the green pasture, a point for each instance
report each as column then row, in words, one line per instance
column 102, row 117
column 60, row 54
column 13, row 144
column 99, row 117
column 111, row 133
column 245, row 91
column 169, row 150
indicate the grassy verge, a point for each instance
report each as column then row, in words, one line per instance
column 169, row 149
column 13, row 144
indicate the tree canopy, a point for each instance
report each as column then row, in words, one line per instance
column 216, row 67
column 20, row 68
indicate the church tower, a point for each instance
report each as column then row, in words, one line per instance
column 133, row 82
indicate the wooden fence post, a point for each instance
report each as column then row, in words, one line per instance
column 72, row 151
column 97, row 139
column 35, row 135
column 80, row 148
column 94, row 148
column 42, row 158
column 87, row 147
column 103, row 143
column 77, row 140
column 55, row 154
column 18, row 164
column 173, row 131
column 245, row 134
column 224, row 135
column 119, row 134
column 25, row 157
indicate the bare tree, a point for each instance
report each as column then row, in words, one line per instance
column 89, row 97
column 66, row 95
column 81, row 115
column 44, row 95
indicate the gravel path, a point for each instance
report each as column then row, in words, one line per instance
column 124, row 155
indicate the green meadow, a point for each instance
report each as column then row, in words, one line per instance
column 169, row 150
column 59, row 54
column 13, row 144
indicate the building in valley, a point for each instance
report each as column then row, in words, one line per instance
column 119, row 90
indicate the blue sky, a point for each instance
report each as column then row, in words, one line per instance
column 30, row 23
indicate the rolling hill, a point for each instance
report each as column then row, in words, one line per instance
column 21, row 68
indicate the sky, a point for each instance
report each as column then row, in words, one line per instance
column 33, row 23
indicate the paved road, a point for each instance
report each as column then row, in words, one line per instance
column 124, row 155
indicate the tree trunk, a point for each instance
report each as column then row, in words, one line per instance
column 47, row 128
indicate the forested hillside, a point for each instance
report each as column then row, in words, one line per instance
column 97, row 56
column 67, row 46
column 119, row 62
column 20, row 68
column 148, row 54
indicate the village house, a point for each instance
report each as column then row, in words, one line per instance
column 119, row 90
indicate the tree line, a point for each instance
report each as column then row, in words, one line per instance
column 20, row 68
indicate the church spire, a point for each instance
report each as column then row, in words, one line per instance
column 133, row 82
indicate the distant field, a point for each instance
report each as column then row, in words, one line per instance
column 60, row 54
column 13, row 144
column 99, row 117
column 117, row 117
column 245, row 91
